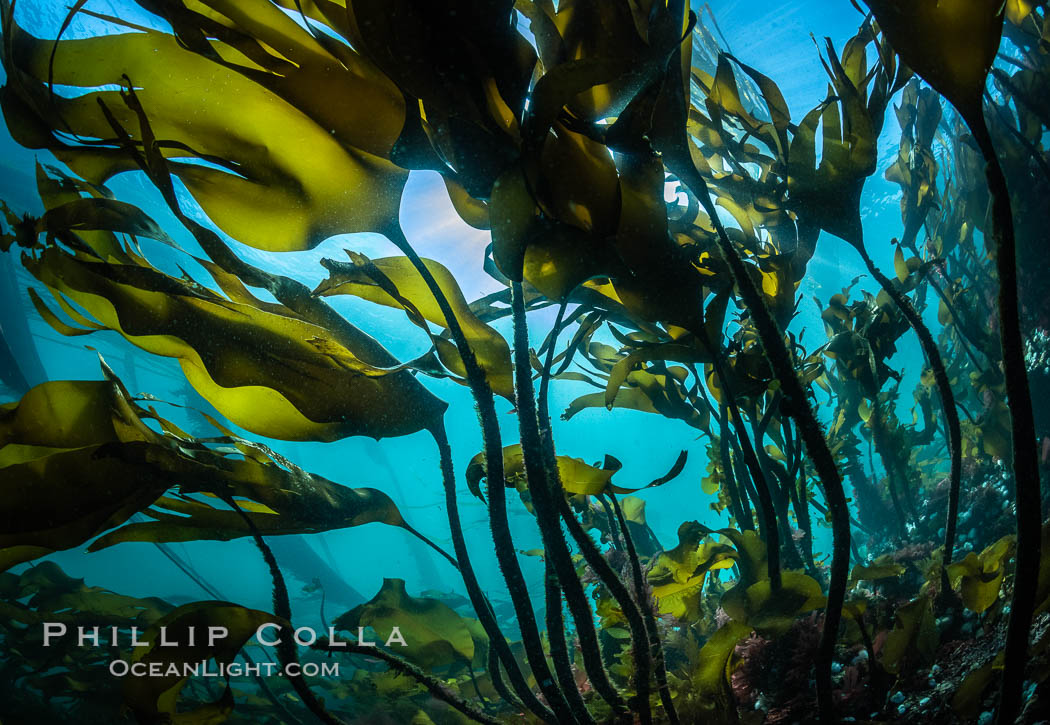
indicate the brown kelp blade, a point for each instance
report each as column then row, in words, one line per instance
column 85, row 462
column 950, row 43
column 437, row 636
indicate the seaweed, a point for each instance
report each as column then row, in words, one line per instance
column 638, row 179
column 960, row 77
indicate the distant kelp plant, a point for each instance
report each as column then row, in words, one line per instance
column 284, row 123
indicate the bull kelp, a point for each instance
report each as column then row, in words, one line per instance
column 672, row 403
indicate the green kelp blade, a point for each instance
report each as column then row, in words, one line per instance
column 474, row 212
column 913, row 640
column 282, row 175
column 318, row 506
column 979, row 577
column 61, row 500
column 711, row 677
column 67, row 414
column 663, row 352
column 679, row 572
column 881, row 568
column 50, row 592
column 88, row 214
column 629, row 44
column 514, row 217
column 435, row 635
column 153, row 699
column 577, row 477
column 63, row 194
column 579, row 184
column 678, row 575
column 272, row 374
column 773, row 613
column 950, row 43
column 648, row 392
column 322, row 77
column 751, row 554
column 394, row 282
column 67, row 668
column 279, row 497
column 78, row 460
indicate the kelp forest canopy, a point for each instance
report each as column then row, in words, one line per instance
column 867, row 541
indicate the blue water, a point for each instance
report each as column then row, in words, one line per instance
column 772, row 36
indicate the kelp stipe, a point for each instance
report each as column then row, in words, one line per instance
column 813, row 436
column 653, row 655
column 738, row 498
column 288, row 653
column 932, row 41
column 477, row 597
column 483, row 397
column 643, row 598
column 672, row 141
column 870, row 96
column 674, row 146
column 298, row 298
column 541, row 488
column 1023, row 435
column 552, row 590
column 547, row 498
column 948, row 405
column 770, row 527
